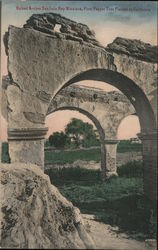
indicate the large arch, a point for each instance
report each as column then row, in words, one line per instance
column 41, row 62
column 129, row 88
column 144, row 112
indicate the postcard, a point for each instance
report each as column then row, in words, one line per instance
column 78, row 124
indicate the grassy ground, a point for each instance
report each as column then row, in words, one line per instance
column 118, row 201
column 126, row 146
column 63, row 157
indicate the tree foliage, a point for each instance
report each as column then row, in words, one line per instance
column 81, row 133
column 58, row 139
column 77, row 134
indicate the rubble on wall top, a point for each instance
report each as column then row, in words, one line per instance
column 59, row 26
column 135, row 48
column 48, row 22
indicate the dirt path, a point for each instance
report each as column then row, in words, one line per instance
column 105, row 238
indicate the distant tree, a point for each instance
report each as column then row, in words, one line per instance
column 81, row 133
column 58, row 139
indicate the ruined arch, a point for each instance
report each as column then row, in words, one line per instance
column 128, row 87
column 107, row 107
column 90, row 116
column 68, row 58
column 144, row 112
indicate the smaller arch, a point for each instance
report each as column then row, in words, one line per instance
column 99, row 129
column 86, row 113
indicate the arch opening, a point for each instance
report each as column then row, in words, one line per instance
column 129, row 88
column 92, row 120
column 128, row 128
column 129, row 148
column 143, row 109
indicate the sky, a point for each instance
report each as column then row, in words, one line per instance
column 109, row 19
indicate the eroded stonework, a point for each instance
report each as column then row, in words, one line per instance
column 109, row 108
column 134, row 48
column 68, row 29
column 35, row 214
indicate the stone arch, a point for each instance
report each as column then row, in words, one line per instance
column 90, row 116
column 68, row 58
column 99, row 129
column 144, row 112
column 107, row 107
column 127, row 86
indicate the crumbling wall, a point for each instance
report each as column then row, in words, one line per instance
column 41, row 61
column 67, row 28
column 138, row 61
column 109, row 108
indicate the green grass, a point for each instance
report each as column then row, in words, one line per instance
column 119, row 201
column 135, row 147
column 103, row 191
column 131, row 169
column 71, row 175
column 64, row 157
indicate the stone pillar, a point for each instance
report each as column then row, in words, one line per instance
column 27, row 145
column 111, row 149
column 149, row 141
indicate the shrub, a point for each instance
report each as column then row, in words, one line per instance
column 72, row 175
column 58, row 139
column 131, row 169
column 127, row 146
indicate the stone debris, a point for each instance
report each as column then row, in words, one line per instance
column 71, row 30
column 135, row 48
column 35, row 215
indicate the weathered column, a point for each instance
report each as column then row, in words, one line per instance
column 111, row 149
column 149, row 141
column 27, row 145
